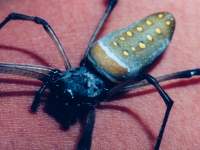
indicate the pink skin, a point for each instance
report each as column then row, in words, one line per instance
column 131, row 123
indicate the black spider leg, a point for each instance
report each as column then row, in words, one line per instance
column 46, row 81
column 37, row 99
column 45, row 74
column 102, row 21
column 32, row 71
column 172, row 76
column 86, row 137
column 168, row 102
column 47, row 28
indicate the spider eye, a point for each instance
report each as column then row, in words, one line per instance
column 68, row 93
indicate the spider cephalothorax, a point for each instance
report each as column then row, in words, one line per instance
column 72, row 94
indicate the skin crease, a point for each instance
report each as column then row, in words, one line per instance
column 131, row 123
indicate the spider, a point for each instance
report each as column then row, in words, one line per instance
column 110, row 66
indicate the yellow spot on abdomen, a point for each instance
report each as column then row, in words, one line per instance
column 158, row 30
column 125, row 53
column 148, row 22
column 168, row 22
column 139, row 29
column 149, row 37
column 142, row 45
column 160, row 16
column 122, row 38
column 115, row 43
column 133, row 49
column 129, row 33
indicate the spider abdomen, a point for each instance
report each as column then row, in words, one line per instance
column 125, row 53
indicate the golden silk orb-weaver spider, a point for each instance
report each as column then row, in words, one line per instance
column 114, row 64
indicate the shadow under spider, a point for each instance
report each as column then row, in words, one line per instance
column 27, row 52
column 135, row 116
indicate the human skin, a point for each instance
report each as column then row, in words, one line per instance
column 132, row 122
